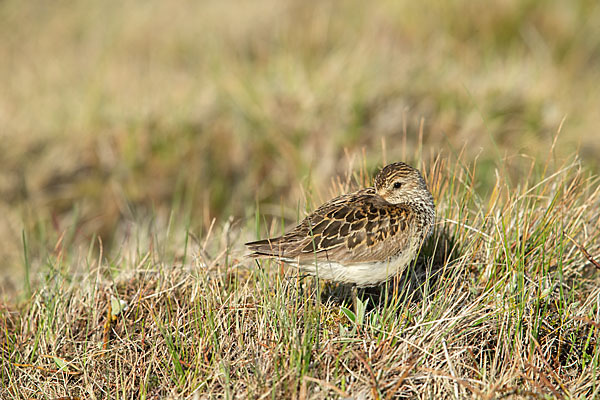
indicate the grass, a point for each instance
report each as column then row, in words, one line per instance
column 117, row 111
column 501, row 303
column 143, row 142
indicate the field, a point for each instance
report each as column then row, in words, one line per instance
column 142, row 143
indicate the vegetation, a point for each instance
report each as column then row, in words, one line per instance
column 143, row 143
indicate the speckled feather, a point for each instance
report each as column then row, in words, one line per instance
column 364, row 228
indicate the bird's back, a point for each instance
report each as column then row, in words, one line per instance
column 354, row 228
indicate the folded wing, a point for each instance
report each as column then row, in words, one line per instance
column 361, row 227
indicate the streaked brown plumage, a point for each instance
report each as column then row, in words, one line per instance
column 363, row 237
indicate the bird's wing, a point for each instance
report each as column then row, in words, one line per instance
column 360, row 227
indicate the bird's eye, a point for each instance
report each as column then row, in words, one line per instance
column 397, row 185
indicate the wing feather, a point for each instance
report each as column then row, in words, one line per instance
column 357, row 227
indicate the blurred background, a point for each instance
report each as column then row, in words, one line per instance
column 120, row 111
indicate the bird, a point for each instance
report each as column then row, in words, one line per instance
column 361, row 238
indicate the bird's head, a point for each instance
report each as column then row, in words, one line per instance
column 400, row 183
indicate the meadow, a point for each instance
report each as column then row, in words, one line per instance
column 142, row 143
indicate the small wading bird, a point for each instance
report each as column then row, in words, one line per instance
column 361, row 238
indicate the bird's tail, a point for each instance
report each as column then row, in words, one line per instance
column 271, row 247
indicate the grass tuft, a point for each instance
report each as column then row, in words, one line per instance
column 502, row 301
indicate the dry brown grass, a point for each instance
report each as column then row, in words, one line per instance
column 110, row 111
column 502, row 303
